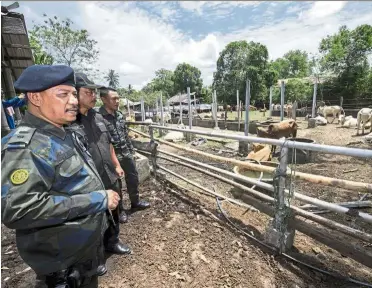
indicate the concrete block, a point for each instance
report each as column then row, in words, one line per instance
column 311, row 123
column 273, row 237
column 143, row 169
column 190, row 137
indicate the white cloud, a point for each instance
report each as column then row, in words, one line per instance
column 322, row 9
column 136, row 43
column 167, row 13
column 214, row 7
column 195, row 6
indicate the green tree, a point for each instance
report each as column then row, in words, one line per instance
column 237, row 62
column 130, row 89
column 185, row 76
column 69, row 46
column 39, row 55
column 206, row 94
column 113, row 78
column 294, row 64
column 345, row 55
column 163, row 82
column 298, row 90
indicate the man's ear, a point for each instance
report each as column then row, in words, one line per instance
column 35, row 98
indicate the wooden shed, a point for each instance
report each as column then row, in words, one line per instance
column 16, row 55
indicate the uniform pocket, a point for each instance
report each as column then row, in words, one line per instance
column 71, row 166
column 102, row 127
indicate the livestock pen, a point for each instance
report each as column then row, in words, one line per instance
column 353, row 241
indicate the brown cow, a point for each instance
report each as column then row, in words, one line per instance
column 286, row 128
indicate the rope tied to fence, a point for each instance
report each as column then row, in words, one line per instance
column 283, row 210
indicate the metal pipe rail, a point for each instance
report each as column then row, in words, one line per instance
column 262, row 206
column 354, row 152
column 317, row 202
column 334, row 182
column 140, row 123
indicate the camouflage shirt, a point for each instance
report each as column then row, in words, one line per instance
column 51, row 194
column 119, row 133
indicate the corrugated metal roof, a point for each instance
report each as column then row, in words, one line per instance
column 15, row 46
column 177, row 98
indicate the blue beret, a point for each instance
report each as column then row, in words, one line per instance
column 37, row 78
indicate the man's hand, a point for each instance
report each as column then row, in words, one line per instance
column 112, row 199
column 119, row 171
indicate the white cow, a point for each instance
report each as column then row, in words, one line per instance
column 319, row 120
column 148, row 120
column 342, row 118
column 365, row 116
column 334, row 111
column 348, row 121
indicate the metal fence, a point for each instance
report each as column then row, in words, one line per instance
column 276, row 204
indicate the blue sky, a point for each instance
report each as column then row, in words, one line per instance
column 137, row 38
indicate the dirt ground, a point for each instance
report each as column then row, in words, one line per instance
column 177, row 243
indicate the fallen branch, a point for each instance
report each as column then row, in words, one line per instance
column 224, row 151
column 349, row 171
column 354, row 143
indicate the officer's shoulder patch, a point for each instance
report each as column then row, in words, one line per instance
column 21, row 138
column 19, row 176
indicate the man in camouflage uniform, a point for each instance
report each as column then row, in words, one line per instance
column 103, row 154
column 122, row 144
column 52, row 194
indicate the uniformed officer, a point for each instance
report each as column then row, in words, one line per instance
column 52, row 194
column 122, row 144
column 102, row 151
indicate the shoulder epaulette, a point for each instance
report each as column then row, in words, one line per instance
column 21, row 138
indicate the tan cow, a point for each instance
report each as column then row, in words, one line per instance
column 286, row 128
column 252, row 108
column 334, row 111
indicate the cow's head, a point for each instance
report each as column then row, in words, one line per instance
column 341, row 118
column 320, row 110
column 293, row 125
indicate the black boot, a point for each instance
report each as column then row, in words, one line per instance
column 118, row 248
column 123, row 217
column 101, row 270
column 141, row 205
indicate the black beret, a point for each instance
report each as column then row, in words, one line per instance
column 82, row 81
column 37, row 78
